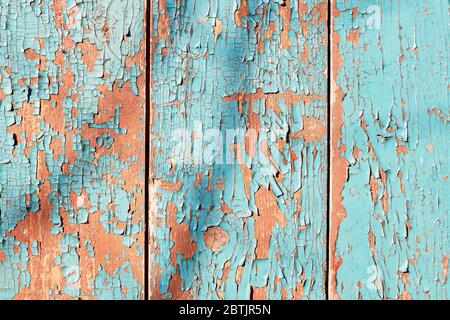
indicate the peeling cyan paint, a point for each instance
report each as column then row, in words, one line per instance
column 72, row 117
column 390, row 131
column 238, row 167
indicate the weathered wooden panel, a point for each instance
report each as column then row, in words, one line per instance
column 239, row 149
column 72, row 149
column 390, row 131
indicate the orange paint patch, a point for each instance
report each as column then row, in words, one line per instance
column 353, row 36
column 163, row 21
column 217, row 29
column 401, row 149
column 264, row 148
column 305, row 52
column 30, row 54
column 178, row 232
column 303, row 11
column 299, row 288
column 259, row 293
column 374, row 188
column 372, row 241
column 288, row 97
column 400, row 177
column 445, row 268
column 271, row 28
column 339, row 165
column 57, row 8
column 384, row 197
column 71, row 15
column 251, row 136
column 89, row 54
column 247, row 174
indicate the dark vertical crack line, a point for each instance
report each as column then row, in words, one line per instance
column 327, row 284
column 148, row 29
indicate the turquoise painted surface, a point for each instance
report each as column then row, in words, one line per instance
column 67, row 177
column 394, row 240
column 238, row 149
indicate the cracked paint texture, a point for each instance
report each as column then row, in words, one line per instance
column 72, row 117
column 238, row 149
column 390, row 131
column 239, row 210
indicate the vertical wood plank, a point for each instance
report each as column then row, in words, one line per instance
column 390, row 131
column 72, row 120
column 239, row 149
